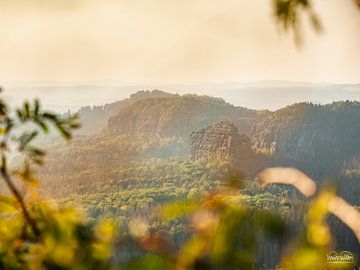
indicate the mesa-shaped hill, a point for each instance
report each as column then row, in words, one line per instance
column 179, row 115
column 95, row 118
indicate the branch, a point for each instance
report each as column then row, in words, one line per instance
column 5, row 175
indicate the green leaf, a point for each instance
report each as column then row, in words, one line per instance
column 25, row 139
column 3, row 162
column 42, row 125
column 37, row 107
column 27, row 109
column 50, row 116
column 20, row 115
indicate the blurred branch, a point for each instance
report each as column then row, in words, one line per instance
column 21, row 144
column 5, row 175
column 357, row 2
column 288, row 14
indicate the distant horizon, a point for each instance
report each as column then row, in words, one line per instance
column 119, row 83
column 260, row 95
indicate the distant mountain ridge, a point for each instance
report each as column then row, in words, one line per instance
column 179, row 115
column 95, row 118
column 315, row 137
column 270, row 94
column 319, row 139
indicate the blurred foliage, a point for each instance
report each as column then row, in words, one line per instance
column 357, row 2
column 65, row 241
column 36, row 234
column 289, row 14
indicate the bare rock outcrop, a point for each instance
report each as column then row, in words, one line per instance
column 220, row 140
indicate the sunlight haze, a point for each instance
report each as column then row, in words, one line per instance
column 171, row 41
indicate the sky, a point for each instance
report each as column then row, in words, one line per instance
column 172, row 41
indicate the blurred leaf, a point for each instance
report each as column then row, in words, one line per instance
column 192, row 251
column 20, row 115
column 3, row 162
column 288, row 14
column 7, row 204
column 50, row 116
column 178, row 209
column 36, row 107
column 25, row 139
column 149, row 262
column 271, row 223
column 26, row 109
column 42, row 125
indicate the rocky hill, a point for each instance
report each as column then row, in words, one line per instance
column 321, row 138
column 95, row 118
column 179, row 116
column 220, row 140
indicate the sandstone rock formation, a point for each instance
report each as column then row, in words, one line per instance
column 220, row 140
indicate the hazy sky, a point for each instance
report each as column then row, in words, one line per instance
column 180, row 41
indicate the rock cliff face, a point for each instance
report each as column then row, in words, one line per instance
column 220, row 140
column 316, row 138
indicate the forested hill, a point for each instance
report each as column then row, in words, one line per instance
column 321, row 138
column 142, row 156
column 178, row 116
column 95, row 118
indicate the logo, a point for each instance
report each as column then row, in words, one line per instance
column 340, row 260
